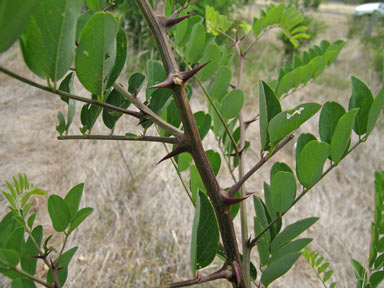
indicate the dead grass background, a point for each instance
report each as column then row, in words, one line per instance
column 139, row 233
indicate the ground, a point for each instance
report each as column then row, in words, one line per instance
column 139, row 233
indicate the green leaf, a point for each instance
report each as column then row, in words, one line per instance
column 288, row 121
column 342, row 135
column 135, row 82
column 89, row 114
column 121, row 56
column 278, row 268
column 269, row 107
column 277, row 167
column 14, row 15
column 218, row 87
column 96, row 54
column 79, row 217
column 302, row 141
column 73, row 198
column 31, row 220
column 10, row 199
column 360, row 272
column 81, row 21
column 212, row 57
column 291, row 247
column 291, row 232
column 59, row 212
column 16, row 240
column 48, row 39
column 67, row 86
column 62, row 125
column 196, row 184
column 96, row 5
column 205, row 234
column 215, row 160
column 64, row 262
column 327, row 275
column 361, row 98
column 181, row 29
column 310, row 165
column 23, row 283
column 28, row 263
column 376, row 278
column 283, row 191
column 235, row 208
column 329, row 116
column 10, row 257
column 215, row 22
column 261, row 214
column 7, row 225
column 263, row 242
column 184, row 160
column 196, row 44
column 203, row 123
column 232, row 104
column 110, row 117
column 375, row 110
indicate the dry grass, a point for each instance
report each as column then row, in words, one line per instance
column 139, row 234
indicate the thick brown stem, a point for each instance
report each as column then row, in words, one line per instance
column 192, row 139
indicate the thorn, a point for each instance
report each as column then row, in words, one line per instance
column 249, row 122
column 186, row 75
column 167, row 83
column 180, row 148
column 233, row 86
column 76, row 43
column 169, row 22
column 231, row 201
column 249, row 193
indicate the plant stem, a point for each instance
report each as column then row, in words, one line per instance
column 193, row 142
column 26, row 275
column 149, row 113
column 224, row 274
column 169, row 140
column 259, row 164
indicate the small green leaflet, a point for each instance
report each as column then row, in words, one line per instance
column 288, row 121
column 375, row 110
column 96, row 54
column 14, row 16
column 302, row 141
column 342, row 135
column 96, row 5
column 283, row 191
column 269, row 107
column 196, row 44
column 330, row 114
column 309, row 166
column 212, row 57
column 59, row 213
column 361, row 98
column 232, row 104
column 205, row 234
column 291, row 232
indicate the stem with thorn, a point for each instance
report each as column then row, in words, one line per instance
column 144, row 138
column 192, row 140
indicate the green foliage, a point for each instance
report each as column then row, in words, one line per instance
column 320, row 267
column 205, row 234
column 21, row 241
column 373, row 276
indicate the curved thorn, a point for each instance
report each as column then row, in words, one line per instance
column 169, row 22
column 178, row 150
column 167, row 83
column 231, row 201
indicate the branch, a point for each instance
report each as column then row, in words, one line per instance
column 253, row 242
column 26, row 275
column 149, row 114
column 154, row 117
column 144, row 138
column 221, row 274
column 71, row 96
column 262, row 161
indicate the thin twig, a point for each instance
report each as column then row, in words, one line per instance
column 253, row 242
column 262, row 161
column 223, row 274
column 26, row 275
column 170, row 140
